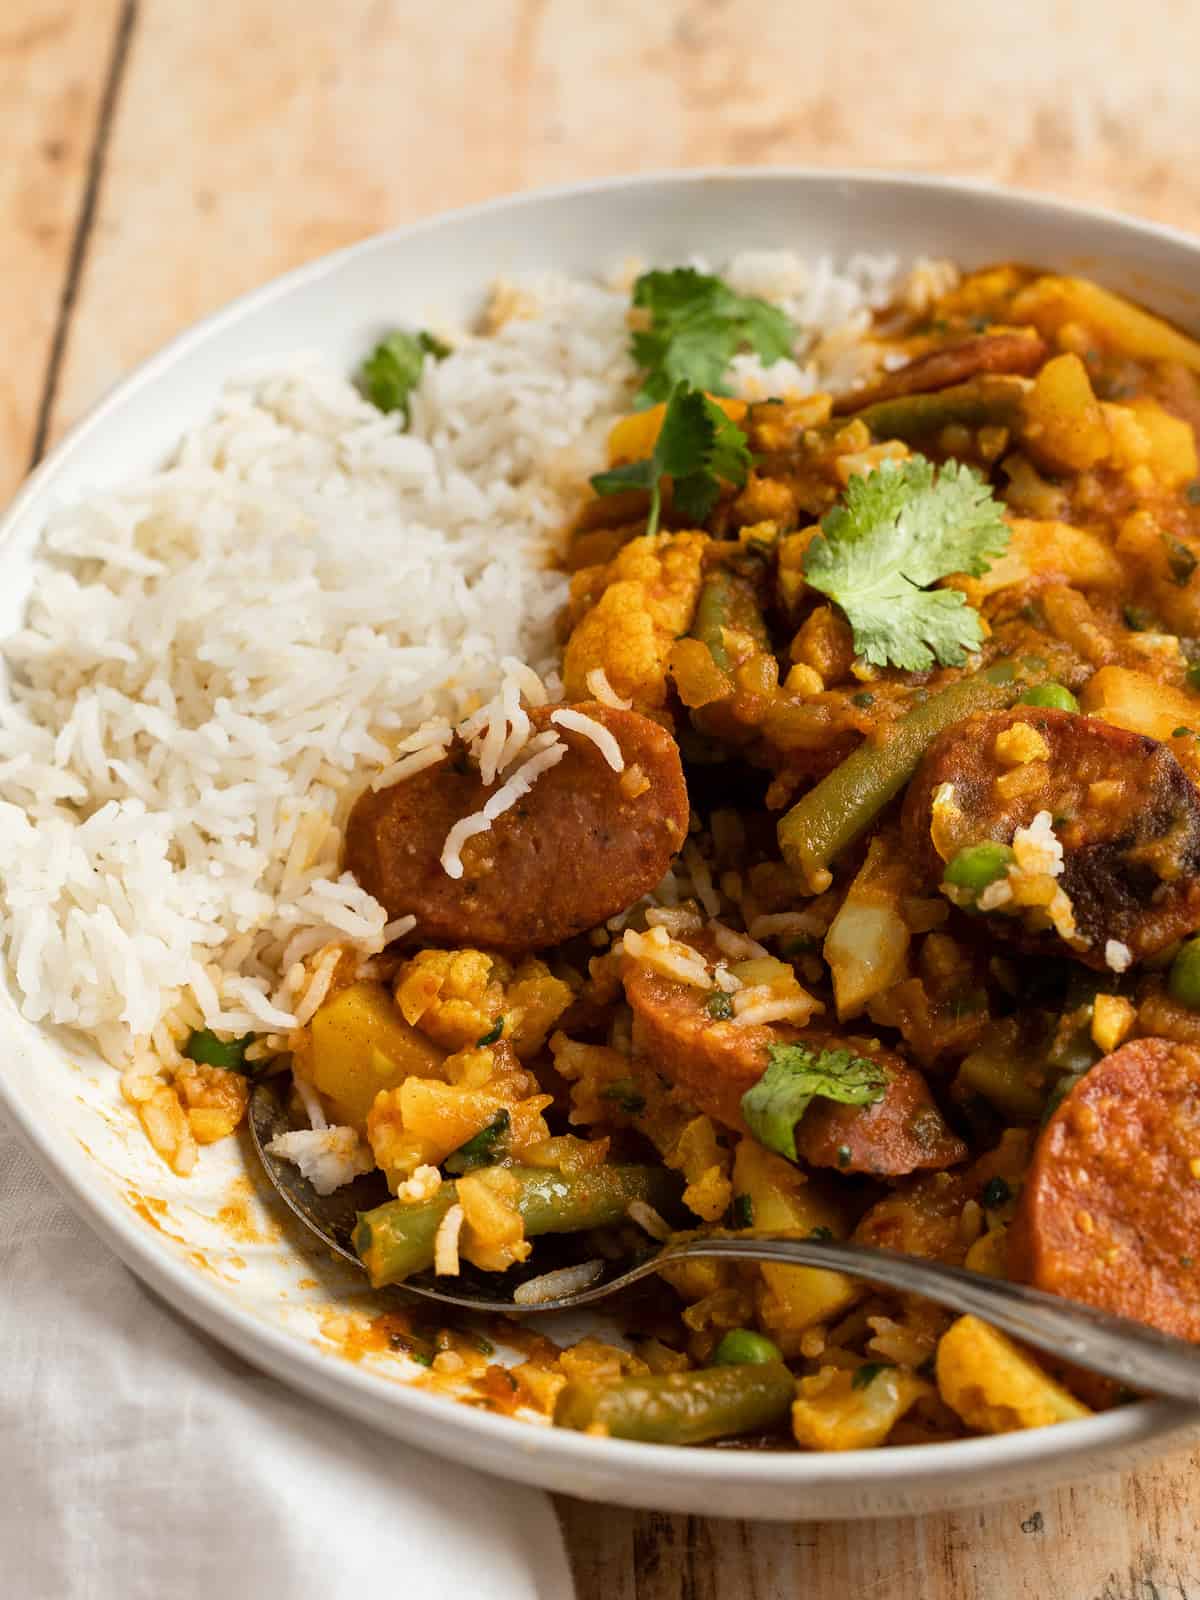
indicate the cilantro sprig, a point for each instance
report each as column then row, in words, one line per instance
column 900, row 529
column 697, row 447
column 795, row 1075
column 697, row 325
column 393, row 369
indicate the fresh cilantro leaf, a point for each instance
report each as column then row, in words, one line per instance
column 393, row 369
column 482, row 1149
column 900, row 530
column 228, row 1054
column 697, row 325
column 795, row 1074
column 698, row 447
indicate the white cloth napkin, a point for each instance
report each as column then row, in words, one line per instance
column 141, row 1461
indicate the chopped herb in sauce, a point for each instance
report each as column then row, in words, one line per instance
column 867, row 1373
column 228, row 1054
column 624, row 1095
column 996, row 1192
column 482, row 1149
column 494, row 1033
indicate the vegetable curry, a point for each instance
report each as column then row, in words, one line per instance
column 860, row 897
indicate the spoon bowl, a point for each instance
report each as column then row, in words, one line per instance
column 1136, row 1356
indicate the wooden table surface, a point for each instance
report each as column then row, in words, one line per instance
column 160, row 156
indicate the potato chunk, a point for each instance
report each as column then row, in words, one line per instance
column 359, row 1044
column 781, row 1199
column 1064, row 427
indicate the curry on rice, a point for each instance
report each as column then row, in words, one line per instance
column 845, row 881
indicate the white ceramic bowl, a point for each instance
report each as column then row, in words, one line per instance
column 237, row 1274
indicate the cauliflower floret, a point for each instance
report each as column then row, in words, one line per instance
column 993, row 1386
column 647, row 598
column 705, row 1166
column 453, row 996
column 460, row 997
column 840, row 1410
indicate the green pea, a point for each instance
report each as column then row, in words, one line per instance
column 977, row 866
column 742, row 1347
column 1184, row 980
column 1055, row 696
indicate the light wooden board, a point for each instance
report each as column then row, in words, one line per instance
column 246, row 136
column 54, row 66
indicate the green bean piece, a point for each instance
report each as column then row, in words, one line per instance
column 681, row 1407
column 977, row 865
column 833, row 813
column 728, row 600
column 1183, row 981
column 396, row 1239
column 990, row 401
column 744, row 1347
column 1056, row 696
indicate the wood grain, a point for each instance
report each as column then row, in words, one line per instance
column 250, row 137
column 245, row 138
column 1113, row 1538
column 54, row 62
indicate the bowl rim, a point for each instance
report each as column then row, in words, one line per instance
column 330, row 1377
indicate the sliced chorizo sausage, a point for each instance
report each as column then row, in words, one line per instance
column 1122, row 808
column 712, row 1063
column 583, row 844
column 1110, row 1209
column 904, row 1132
column 1014, row 351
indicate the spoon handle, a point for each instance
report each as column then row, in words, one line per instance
column 1135, row 1355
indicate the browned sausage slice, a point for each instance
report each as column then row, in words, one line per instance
column 712, row 1064
column 1015, row 351
column 1110, row 1209
column 904, row 1132
column 1123, row 809
column 581, row 846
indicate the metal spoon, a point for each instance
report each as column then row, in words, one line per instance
column 1138, row 1357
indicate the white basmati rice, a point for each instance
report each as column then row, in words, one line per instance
column 306, row 599
column 600, row 689
column 445, row 1243
column 328, row 1157
column 589, row 728
column 558, row 1284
